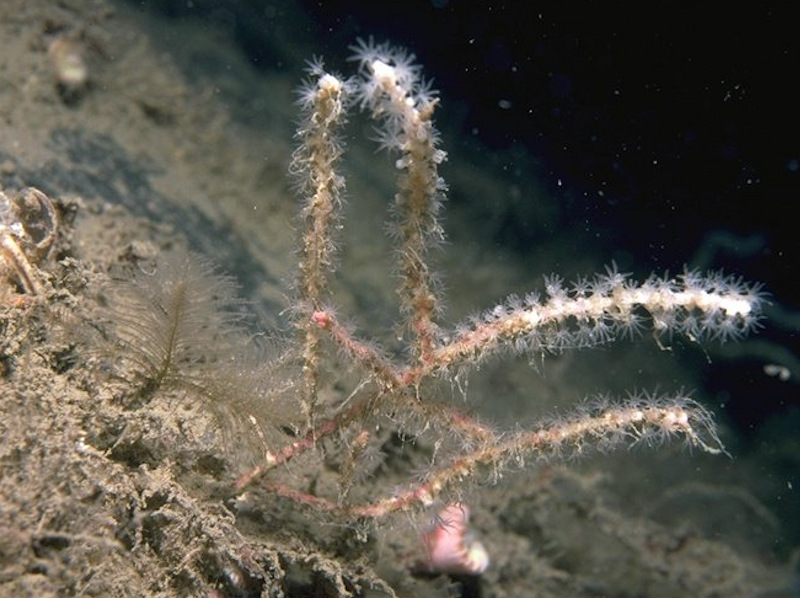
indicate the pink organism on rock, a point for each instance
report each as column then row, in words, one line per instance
column 450, row 546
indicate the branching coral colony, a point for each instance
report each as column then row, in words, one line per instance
column 587, row 313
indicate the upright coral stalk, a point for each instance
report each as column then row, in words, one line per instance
column 323, row 101
column 392, row 89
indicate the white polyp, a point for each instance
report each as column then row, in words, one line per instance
column 330, row 83
column 384, row 73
